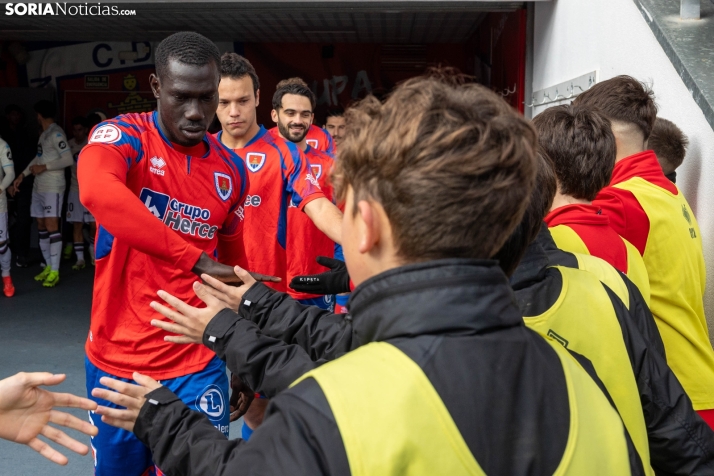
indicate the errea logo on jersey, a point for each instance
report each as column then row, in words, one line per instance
column 157, row 163
column 182, row 217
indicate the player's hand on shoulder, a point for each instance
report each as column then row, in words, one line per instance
column 188, row 322
column 131, row 397
column 26, row 411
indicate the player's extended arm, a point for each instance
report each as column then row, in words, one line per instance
column 102, row 172
column 65, row 160
column 327, row 217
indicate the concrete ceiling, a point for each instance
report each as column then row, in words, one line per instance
column 268, row 21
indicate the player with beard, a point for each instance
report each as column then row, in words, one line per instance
column 335, row 125
column 293, row 105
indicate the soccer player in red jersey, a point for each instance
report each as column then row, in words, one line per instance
column 167, row 197
column 293, row 104
column 279, row 174
column 581, row 145
column 335, row 125
column 649, row 211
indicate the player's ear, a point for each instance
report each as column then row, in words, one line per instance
column 257, row 97
column 155, row 85
column 274, row 116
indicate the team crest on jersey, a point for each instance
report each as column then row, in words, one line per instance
column 316, row 170
column 107, row 134
column 312, row 143
column 254, row 161
column 224, row 185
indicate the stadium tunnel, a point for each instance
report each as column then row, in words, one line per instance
column 344, row 50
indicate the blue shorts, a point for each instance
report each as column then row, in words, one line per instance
column 118, row 452
column 326, row 302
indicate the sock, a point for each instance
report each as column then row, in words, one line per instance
column 55, row 250
column 79, row 250
column 45, row 245
column 5, row 259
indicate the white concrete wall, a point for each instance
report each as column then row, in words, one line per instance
column 573, row 37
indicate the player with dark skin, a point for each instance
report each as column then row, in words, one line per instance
column 187, row 100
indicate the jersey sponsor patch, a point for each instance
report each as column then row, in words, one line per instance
column 62, row 144
column 212, row 402
column 106, row 134
column 182, row 217
column 39, row 150
column 224, row 185
column 316, row 170
column 312, row 143
column 254, row 161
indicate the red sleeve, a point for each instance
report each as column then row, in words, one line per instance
column 627, row 217
column 102, row 172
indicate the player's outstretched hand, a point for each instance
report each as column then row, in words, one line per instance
column 335, row 281
column 127, row 395
column 26, row 411
column 225, row 273
column 188, row 322
column 230, row 295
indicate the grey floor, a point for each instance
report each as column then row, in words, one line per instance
column 44, row 330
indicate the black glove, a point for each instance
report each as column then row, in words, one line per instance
column 336, row 281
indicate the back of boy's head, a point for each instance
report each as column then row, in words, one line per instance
column 539, row 203
column 669, row 144
column 451, row 163
column 582, row 147
column 622, row 99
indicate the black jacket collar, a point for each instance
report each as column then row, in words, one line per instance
column 451, row 296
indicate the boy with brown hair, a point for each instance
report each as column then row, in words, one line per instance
column 582, row 147
column 650, row 212
column 424, row 301
column 670, row 144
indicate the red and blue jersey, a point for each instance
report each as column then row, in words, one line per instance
column 305, row 241
column 158, row 207
column 317, row 138
column 279, row 174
